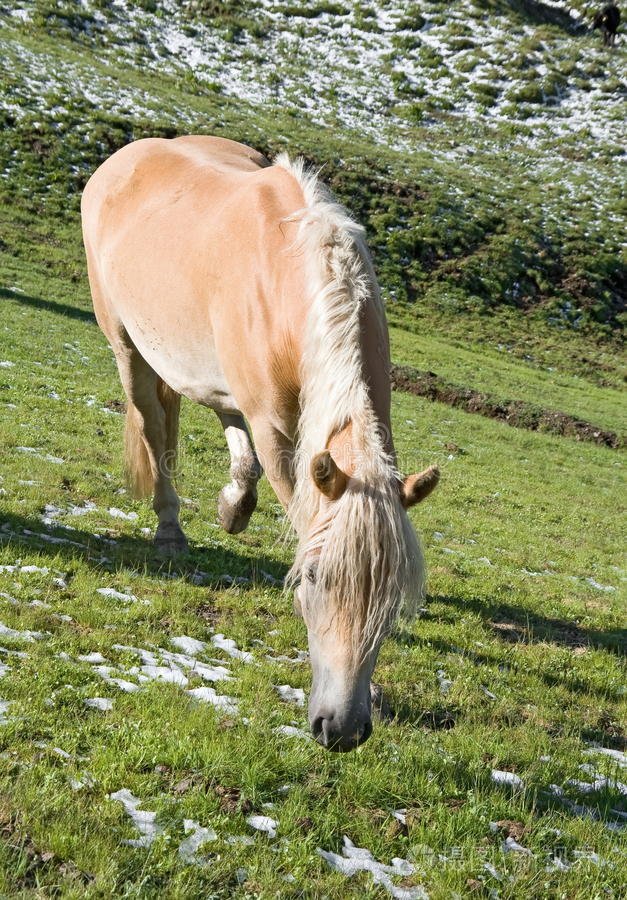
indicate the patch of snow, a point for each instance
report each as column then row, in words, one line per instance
column 263, row 823
column 291, row 694
column 600, row 587
column 105, row 673
column 13, row 635
column 220, row 701
column 358, row 859
column 510, row 778
column 188, row 847
column 87, row 781
column 509, row 845
column 143, row 820
column 493, row 871
column 301, row 657
column 588, row 854
column 47, row 456
column 557, row 864
column 94, row 657
column 27, row 570
column 102, row 703
column 160, row 673
column 616, row 755
column 189, row 644
column 87, row 507
column 228, row 646
column 292, row 731
column 120, row 514
column 445, row 683
column 58, row 751
column 116, row 595
column 4, row 706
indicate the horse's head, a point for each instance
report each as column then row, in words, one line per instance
column 359, row 561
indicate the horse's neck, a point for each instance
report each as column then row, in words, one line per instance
column 375, row 367
column 348, row 444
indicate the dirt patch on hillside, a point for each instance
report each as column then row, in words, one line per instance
column 513, row 412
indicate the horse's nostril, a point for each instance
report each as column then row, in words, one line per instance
column 317, row 727
column 334, row 736
column 366, row 732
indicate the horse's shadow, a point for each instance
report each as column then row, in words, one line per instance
column 606, row 803
column 215, row 566
column 514, row 623
column 521, row 624
column 64, row 309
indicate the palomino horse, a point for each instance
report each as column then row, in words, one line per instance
column 245, row 287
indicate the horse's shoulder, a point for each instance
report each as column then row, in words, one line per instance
column 274, row 192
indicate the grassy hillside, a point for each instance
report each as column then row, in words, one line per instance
column 480, row 143
column 524, row 618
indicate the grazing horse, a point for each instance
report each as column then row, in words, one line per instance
column 608, row 20
column 245, row 287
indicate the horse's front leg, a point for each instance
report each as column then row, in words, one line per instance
column 238, row 499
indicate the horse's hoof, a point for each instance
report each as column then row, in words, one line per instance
column 235, row 507
column 380, row 707
column 170, row 542
column 171, row 548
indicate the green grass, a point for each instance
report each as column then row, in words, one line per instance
column 486, row 368
column 496, row 243
column 485, row 216
column 546, row 645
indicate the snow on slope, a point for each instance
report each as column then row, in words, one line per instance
column 374, row 70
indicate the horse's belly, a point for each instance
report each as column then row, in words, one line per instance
column 187, row 362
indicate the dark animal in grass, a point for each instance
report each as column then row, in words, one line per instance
column 608, row 20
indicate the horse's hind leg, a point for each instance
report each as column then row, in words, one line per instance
column 237, row 500
column 151, row 438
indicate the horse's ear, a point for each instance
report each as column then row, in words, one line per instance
column 416, row 487
column 327, row 476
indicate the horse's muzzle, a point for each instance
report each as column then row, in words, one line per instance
column 337, row 736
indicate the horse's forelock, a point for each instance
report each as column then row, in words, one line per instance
column 370, row 566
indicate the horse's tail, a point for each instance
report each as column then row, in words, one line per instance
column 140, row 469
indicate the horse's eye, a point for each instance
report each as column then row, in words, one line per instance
column 310, row 573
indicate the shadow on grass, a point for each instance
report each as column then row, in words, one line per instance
column 529, row 628
column 518, row 624
column 605, row 804
column 434, row 717
column 544, row 14
column 200, row 565
column 63, row 309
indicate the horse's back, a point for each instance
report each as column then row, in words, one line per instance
column 153, row 168
column 188, row 245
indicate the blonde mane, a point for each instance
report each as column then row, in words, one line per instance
column 369, row 552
